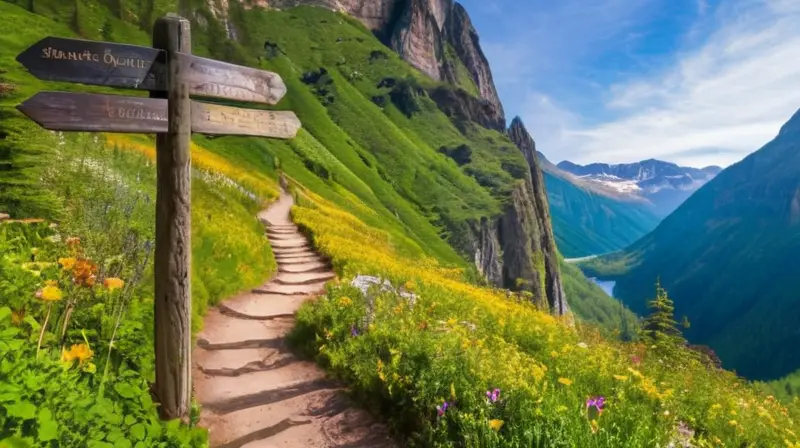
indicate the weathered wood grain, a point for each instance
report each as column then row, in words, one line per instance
column 89, row 112
column 216, row 119
column 95, row 63
column 63, row 111
column 136, row 67
column 217, row 79
column 173, row 301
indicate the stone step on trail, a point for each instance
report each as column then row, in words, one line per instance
column 290, row 244
column 219, row 390
column 303, row 267
column 284, row 257
column 220, row 330
column 242, row 361
column 257, row 422
column 303, row 278
column 291, row 290
column 341, row 425
column 253, row 391
column 284, row 236
column 252, row 306
column 283, row 228
column 305, row 250
column 303, row 263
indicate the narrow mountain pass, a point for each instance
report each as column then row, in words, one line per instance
column 253, row 390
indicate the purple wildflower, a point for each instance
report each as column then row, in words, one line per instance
column 597, row 403
column 493, row 395
column 353, row 331
column 442, row 408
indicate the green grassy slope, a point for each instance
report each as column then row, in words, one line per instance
column 726, row 257
column 350, row 148
column 97, row 190
column 587, row 223
column 786, row 389
column 365, row 211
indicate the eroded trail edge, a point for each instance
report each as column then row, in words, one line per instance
column 253, row 391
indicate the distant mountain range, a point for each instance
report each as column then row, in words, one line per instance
column 728, row 258
column 663, row 184
column 591, row 217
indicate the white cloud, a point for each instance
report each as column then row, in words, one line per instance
column 717, row 103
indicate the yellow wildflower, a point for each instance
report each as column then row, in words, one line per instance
column 50, row 294
column 565, row 381
column 554, row 354
column 345, row 301
column 496, row 424
column 732, row 422
column 538, row 372
column 81, row 352
column 67, row 263
column 621, row 377
column 113, row 283
column 635, row 372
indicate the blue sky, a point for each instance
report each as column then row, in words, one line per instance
column 696, row 82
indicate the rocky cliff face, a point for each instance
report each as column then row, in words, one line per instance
column 420, row 31
column 543, row 245
column 517, row 250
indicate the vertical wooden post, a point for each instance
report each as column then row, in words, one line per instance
column 173, row 302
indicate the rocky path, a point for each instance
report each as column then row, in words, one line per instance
column 254, row 392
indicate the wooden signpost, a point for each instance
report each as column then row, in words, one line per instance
column 171, row 74
column 134, row 67
column 63, row 111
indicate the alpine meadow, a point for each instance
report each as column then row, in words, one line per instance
column 434, row 233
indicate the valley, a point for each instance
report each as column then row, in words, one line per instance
column 724, row 256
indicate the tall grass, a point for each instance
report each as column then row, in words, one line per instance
column 455, row 342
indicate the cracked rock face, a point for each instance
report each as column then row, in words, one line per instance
column 420, row 31
column 543, row 244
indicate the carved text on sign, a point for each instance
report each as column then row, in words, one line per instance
column 223, row 91
column 107, row 58
column 135, row 113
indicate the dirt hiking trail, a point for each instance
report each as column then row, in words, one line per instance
column 254, row 392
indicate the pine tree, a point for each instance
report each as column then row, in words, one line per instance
column 660, row 329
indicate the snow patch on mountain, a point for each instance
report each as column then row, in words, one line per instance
column 664, row 184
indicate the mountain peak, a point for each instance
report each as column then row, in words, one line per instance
column 437, row 37
column 665, row 184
